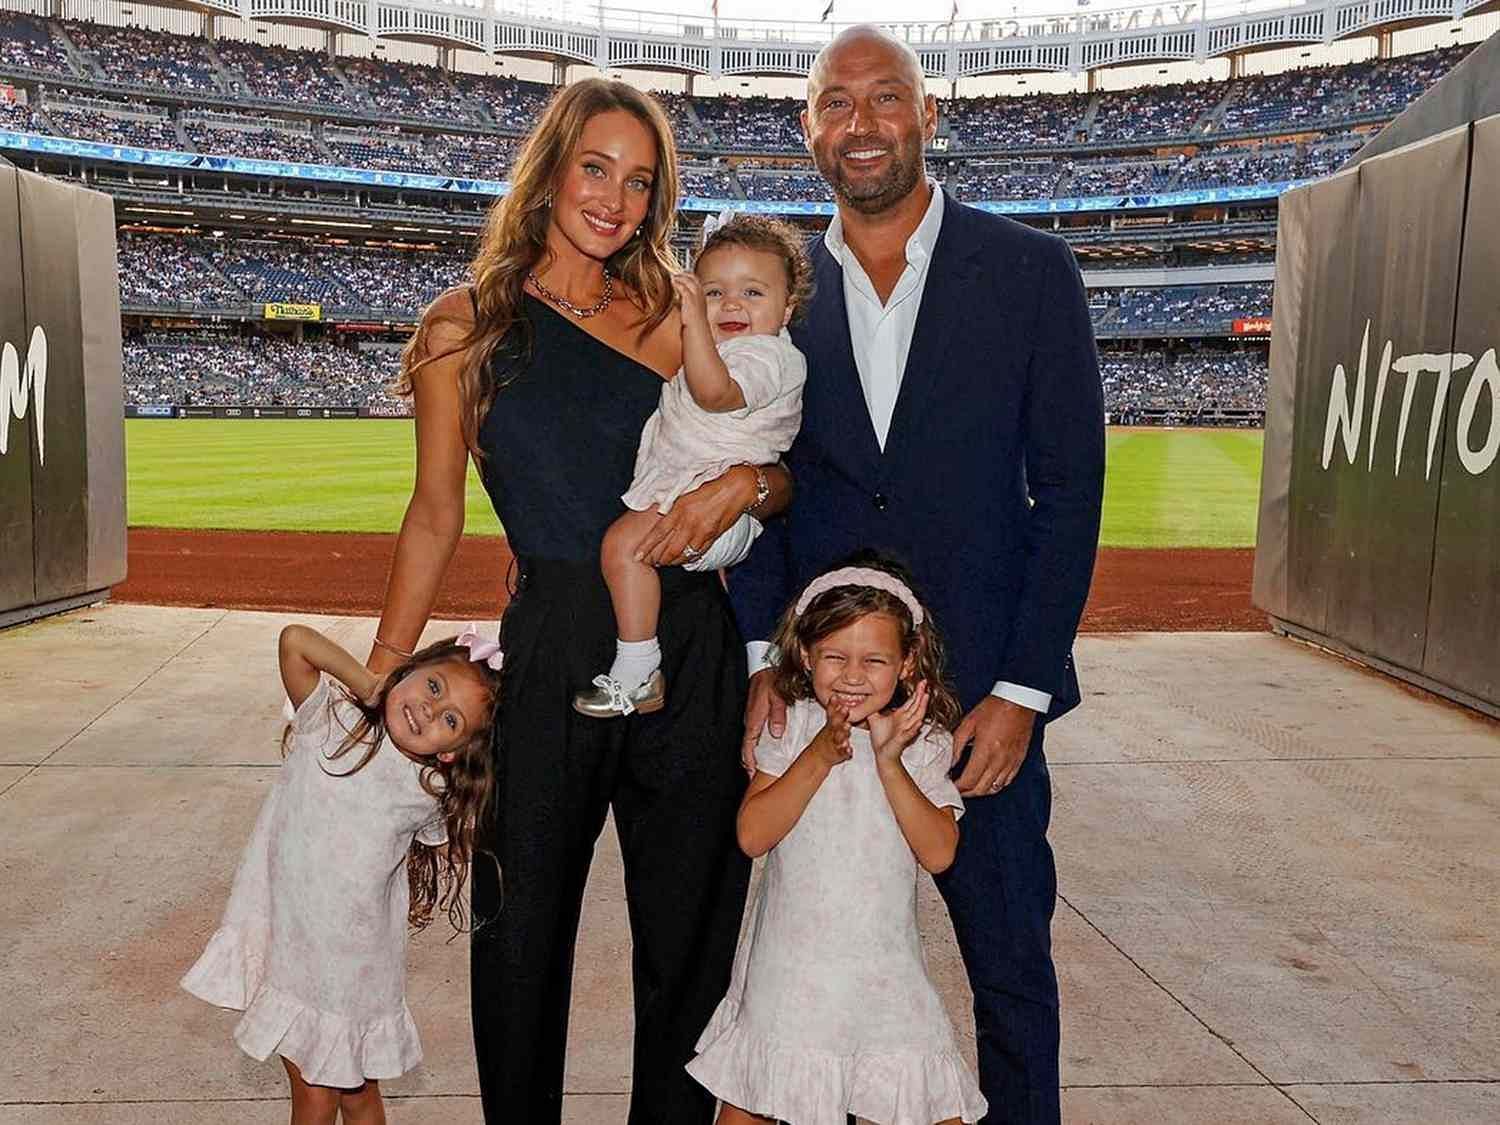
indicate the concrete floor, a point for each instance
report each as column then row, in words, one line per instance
column 1279, row 874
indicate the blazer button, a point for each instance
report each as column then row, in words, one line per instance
column 879, row 501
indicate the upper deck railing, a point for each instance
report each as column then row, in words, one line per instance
column 569, row 31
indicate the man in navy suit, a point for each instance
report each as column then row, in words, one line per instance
column 953, row 416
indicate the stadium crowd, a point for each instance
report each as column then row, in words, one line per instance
column 206, row 272
column 1318, row 96
column 221, row 369
column 216, row 369
column 272, row 139
column 1179, row 308
column 110, row 122
column 1206, row 379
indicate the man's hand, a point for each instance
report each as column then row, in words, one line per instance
column 1001, row 732
column 763, row 709
column 698, row 518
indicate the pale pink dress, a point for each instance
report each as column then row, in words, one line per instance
column 683, row 445
column 312, row 946
column 830, row 1010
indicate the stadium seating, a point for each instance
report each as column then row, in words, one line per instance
column 142, row 58
column 266, row 138
column 216, row 369
column 403, row 90
column 111, row 121
column 1111, row 177
column 1178, row 309
column 205, row 369
column 1191, row 380
column 27, row 43
column 305, row 106
column 1026, row 122
column 1155, row 111
column 284, row 75
column 752, row 124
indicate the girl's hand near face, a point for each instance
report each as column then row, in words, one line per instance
column 831, row 744
column 891, row 732
column 370, row 695
column 694, row 304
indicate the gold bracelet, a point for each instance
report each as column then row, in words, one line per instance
column 762, row 490
column 401, row 652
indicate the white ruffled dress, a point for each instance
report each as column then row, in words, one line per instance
column 830, row 1010
column 312, row 946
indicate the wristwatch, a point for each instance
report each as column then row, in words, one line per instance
column 762, row 490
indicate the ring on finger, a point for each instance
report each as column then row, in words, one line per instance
column 691, row 552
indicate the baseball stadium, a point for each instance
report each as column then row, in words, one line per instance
column 1273, row 813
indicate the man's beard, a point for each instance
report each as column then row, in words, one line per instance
column 872, row 196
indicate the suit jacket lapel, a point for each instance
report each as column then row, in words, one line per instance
column 852, row 431
column 948, row 300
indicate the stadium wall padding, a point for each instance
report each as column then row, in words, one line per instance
column 17, row 571
column 1462, row 646
column 65, row 461
column 1379, row 528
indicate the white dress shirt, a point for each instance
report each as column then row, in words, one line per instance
column 880, row 334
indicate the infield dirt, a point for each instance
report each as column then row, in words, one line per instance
column 1135, row 590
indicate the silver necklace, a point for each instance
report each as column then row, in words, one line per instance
column 581, row 313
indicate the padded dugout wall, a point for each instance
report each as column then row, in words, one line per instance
column 62, row 475
column 1379, row 526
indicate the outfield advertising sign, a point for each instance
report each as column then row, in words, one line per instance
column 290, row 310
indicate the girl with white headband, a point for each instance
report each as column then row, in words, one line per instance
column 381, row 774
column 830, row 1011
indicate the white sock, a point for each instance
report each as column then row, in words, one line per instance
column 634, row 662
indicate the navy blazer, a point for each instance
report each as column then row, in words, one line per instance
column 991, row 480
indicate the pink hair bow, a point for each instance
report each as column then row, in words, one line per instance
column 480, row 648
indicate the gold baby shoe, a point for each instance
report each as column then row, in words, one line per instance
column 609, row 699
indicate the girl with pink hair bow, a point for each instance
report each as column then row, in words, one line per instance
column 381, row 773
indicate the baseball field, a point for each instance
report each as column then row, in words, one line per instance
column 1165, row 488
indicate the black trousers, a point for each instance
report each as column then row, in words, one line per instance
column 674, row 782
column 1001, row 891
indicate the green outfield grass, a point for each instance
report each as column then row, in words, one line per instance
column 1166, row 488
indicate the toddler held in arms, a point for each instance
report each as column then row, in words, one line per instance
column 736, row 401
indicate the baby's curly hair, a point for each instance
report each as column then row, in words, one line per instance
column 771, row 236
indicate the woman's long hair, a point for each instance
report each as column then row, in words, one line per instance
column 515, row 240
column 463, row 787
column 834, row 609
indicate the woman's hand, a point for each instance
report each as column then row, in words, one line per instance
column 891, row 732
column 831, row 744
column 698, row 518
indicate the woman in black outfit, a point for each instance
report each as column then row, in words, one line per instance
column 545, row 370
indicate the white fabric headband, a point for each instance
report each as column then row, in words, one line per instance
column 862, row 576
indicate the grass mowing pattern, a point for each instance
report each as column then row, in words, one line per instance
column 1181, row 488
column 293, row 475
column 1165, row 488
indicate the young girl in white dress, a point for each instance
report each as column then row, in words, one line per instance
column 365, row 833
column 830, row 1010
column 736, row 401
